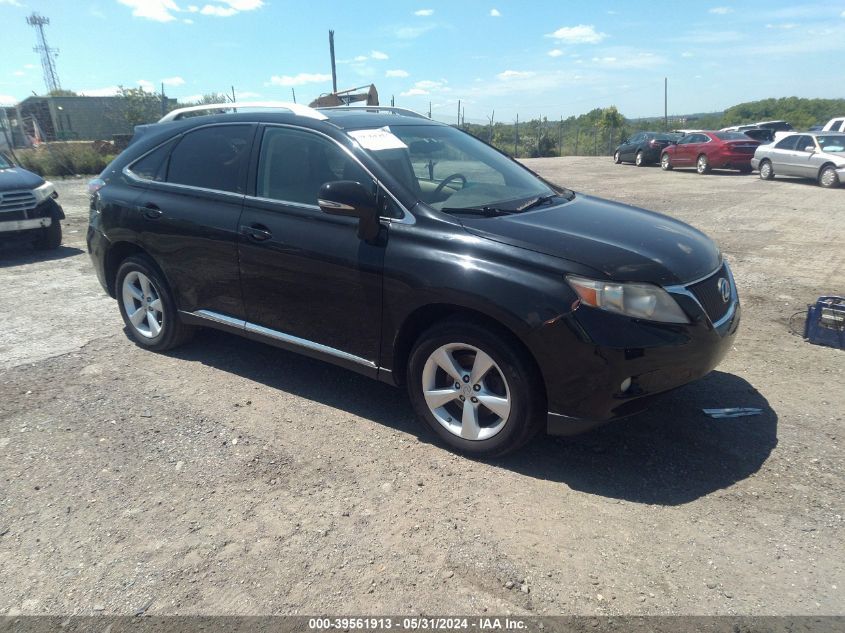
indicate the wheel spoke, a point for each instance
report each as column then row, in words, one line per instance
column 497, row 404
column 135, row 292
column 145, row 285
column 155, row 328
column 436, row 398
column 480, row 366
column 156, row 305
column 137, row 317
column 446, row 362
column 469, row 422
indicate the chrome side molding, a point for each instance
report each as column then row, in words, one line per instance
column 253, row 328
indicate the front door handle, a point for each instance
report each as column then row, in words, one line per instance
column 257, row 232
column 150, row 211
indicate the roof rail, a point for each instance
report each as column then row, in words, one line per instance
column 296, row 108
column 394, row 110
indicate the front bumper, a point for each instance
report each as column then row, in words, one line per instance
column 39, row 217
column 841, row 173
column 589, row 355
column 24, row 225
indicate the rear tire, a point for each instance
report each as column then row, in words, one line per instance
column 456, row 369
column 665, row 162
column 828, row 177
column 702, row 165
column 639, row 161
column 50, row 237
column 766, row 170
column 147, row 306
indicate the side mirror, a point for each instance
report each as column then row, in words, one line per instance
column 351, row 199
column 810, row 148
column 624, row 140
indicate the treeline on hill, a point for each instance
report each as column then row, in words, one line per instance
column 599, row 131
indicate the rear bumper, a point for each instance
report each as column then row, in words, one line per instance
column 97, row 249
column 732, row 161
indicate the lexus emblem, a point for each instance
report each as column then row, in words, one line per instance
column 724, row 289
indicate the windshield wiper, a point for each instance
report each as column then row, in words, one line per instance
column 488, row 212
column 536, row 202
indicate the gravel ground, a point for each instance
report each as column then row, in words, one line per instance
column 233, row 478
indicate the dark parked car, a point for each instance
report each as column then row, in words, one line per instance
column 711, row 150
column 28, row 207
column 411, row 252
column 643, row 148
column 763, row 134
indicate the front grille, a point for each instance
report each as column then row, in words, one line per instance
column 11, row 201
column 709, row 294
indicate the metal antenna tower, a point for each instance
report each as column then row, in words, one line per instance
column 48, row 62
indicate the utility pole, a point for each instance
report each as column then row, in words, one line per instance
column 293, row 94
column 163, row 101
column 516, row 139
column 429, row 109
column 560, row 138
column 233, row 95
column 48, row 62
column 666, row 102
column 459, row 113
column 331, row 52
column 490, row 137
column 392, row 101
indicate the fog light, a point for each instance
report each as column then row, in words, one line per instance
column 625, row 385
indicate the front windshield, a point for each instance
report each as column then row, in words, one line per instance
column 832, row 143
column 450, row 170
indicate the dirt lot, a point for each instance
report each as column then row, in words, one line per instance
column 232, row 478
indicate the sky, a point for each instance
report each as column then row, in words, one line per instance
column 501, row 58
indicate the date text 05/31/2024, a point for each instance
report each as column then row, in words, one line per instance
column 417, row 623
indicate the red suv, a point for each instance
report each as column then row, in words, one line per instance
column 710, row 150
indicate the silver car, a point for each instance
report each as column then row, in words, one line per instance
column 816, row 155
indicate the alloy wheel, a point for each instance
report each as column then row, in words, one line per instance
column 466, row 391
column 143, row 305
column 702, row 165
column 665, row 163
column 639, row 159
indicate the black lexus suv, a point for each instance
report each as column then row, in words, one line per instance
column 413, row 253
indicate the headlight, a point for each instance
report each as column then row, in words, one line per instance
column 45, row 191
column 640, row 301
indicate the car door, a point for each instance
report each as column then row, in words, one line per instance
column 783, row 156
column 629, row 149
column 187, row 214
column 806, row 161
column 679, row 153
column 309, row 282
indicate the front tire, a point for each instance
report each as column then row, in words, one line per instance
column 828, row 177
column 147, row 306
column 702, row 165
column 475, row 389
column 50, row 237
column 617, row 158
column 766, row 170
column 665, row 162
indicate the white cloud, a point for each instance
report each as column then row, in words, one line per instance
column 188, row 21
column 19, row 73
column 627, row 57
column 228, row 8
column 842, row 15
column 14, row 3
column 192, row 8
column 7, row 100
column 786, row 26
column 298, row 80
column 555, row 52
column 360, row 58
column 157, row 10
column 580, row 34
column 218, row 11
column 424, row 87
column 396, row 73
column 495, row 13
column 412, row 32
column 173, row 81
column 189, row 98
column 248, row 95
column 424, row 13
column 427, row 84
column 146, row 85
column 378, row 55
column 413, row 92
column 721, row 10
column 29, row 66
column 515, row 74
column 108, row 91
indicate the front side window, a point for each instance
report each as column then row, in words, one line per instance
column 212, row 157
column 294, row 164
column 449, row 169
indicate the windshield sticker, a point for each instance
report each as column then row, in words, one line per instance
column 379, row 139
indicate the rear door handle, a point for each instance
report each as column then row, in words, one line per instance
column 257, row 232
column 150, row 211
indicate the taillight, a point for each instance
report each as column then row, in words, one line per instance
column 94, row 185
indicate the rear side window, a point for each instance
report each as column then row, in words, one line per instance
column 153, row 166
column 212, row 158
column 787, row 143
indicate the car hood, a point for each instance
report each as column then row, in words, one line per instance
column 624, row 242
column 17, row 178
